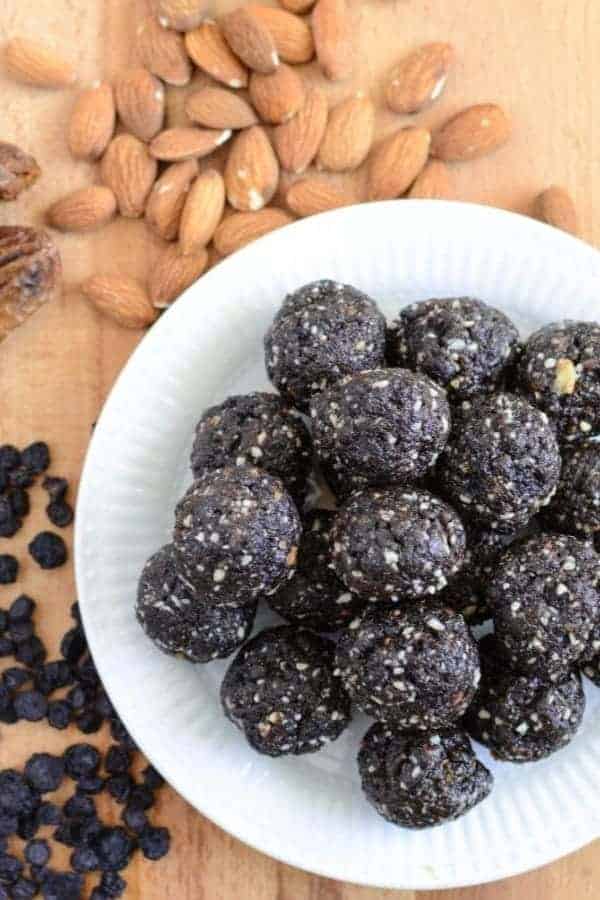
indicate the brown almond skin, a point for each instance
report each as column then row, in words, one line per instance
column 292, row 35
column 250, row 40
column 279, row 96
column 332, row 34
column 92, row 123
column 555, row 206
column 297, row 141
column 433, row 183
column 167, row 199
column 419, row 79
column 140, row 100
column 121, row 298
column 251, row 171
column 30, row 274
column 36, row 64
column 202, row 212
column 18, row 171
column 162, row 51
column 129, row 170
column 396, row 162
column 348, row 136
column 173, row 273
column 310, row 196
column 241, row 228
column 83, row 210
column 471, row 133
column 177, row 144
column 181, row 15
column 209, row 50
column 216, row 107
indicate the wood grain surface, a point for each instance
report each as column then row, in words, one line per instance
column 539, row 58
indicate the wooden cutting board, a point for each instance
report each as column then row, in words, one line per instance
column 539, row 58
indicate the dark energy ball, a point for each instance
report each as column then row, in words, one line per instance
column 281, row 692
column 396, row 543
column 236, row 535
column 415, row 667
column 322, row 331
column 575, row 508
column 258, row 430
column 179, row 622
column 461, row 343
column 559, row 371
column 315, row 597
column 379, row 427
column 419, row 780
column 502, row 465
column 523, row 718
column 545, row 600
column 589, row 661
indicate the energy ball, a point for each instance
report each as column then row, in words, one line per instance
column 258, row 430
column 378, row 428
column 545, row 600
column 575, row 507
column 502, row 465
column 463, row 344
column 179, row 622
column 523, row 718
column 323, row 331
column 589, row 661
column 281, row 692
column 315, row 597
column 559, row 371
column 419, row 780
column 416, row 668
column 396, row 543
column 236, row 535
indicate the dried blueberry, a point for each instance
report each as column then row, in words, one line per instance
column 80, row 760
column 83, row 860
column 15, row 677
column 10, row 868
column 112, row 885
column 21, row 609
column 27, row 827
column 117, row 760
column 121, row 735
column 3, row 621
column 135, row 818
column 8, row 824
column 73, row 645
column 60, row 514
column 89, row 722
column 103, row 705
column 6, row 647
column 155, row 842
column 52, row 676
column 19, row 501
column 31, row 706
column 23, row 889
column 76, row 698
column 79, row 806
column 16, row 796
column 56, row 487
column 90, row 784
column 48, row 814
column 113, row 847
column 37, row 853
column 21, row 477
column 152, row 778
column 48, row 550
column 88, row 674
column 9, row 523
column 36, row 457
column 142, row 797
column 31, row 653
column 59, row 714
column 20, row 631
column 8, row 715
column 10, row 457
column 119, row 787
column 44, row 772
column 9, row 568
column 62, row 886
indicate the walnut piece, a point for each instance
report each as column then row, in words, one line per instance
column 30, row 274
column 18, row 171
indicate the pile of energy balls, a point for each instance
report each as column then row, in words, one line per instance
column 467, row 486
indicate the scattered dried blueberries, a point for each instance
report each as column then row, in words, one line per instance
column 48, row 550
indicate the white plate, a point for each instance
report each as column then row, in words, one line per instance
column 309, row 811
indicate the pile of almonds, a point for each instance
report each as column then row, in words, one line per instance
column 260, row 125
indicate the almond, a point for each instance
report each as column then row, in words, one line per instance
column 129, row 170
column 419, row 78
column 121, row 298
column 242, row 228
column 33, row 63
column 396, row 162
column 176, row 144
column 250, row 39
column 215, row 107
column 433, row 183
column 202, row 212
column 279, row 96
column 315, row 195
column 209, row 50
column 163, row 52
column 84, row 209
column 167, row 199
column 140, row 99
column 555, row 207
column 173, row 273
column 473, row 132
column 348, row 136
column 92, row 122
column 252, row 171
column 291, row 34
column 333, row 38
column 182, row 15
column 297, row 141
column 297, row 6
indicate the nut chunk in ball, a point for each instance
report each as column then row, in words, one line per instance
column 559, row 371
column 315, row 597
column 503, row 464
column 236, row 535
column 523, row 718
column 379, row 427
column 179, row 622
column 589, row 661
column 463, row 344
column 281, row 692
column 417, row 668
column 575, row 507
column 420, row 780
column 395, row 543
column 545, row 601
column 322, row 331
column 258, row 430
